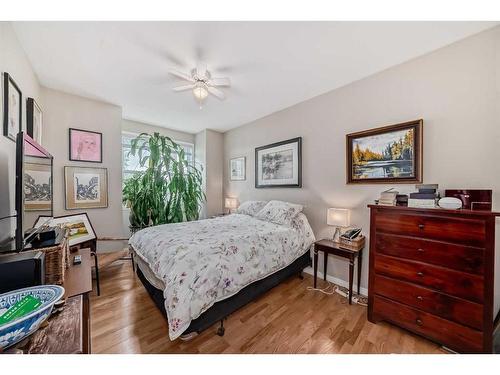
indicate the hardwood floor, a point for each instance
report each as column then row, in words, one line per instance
column 287, row 319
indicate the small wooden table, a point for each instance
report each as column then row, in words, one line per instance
column 330, row 247
column 69, row 331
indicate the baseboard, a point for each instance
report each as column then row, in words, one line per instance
column 335, row 280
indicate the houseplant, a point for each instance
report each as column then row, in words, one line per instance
column 168, row 190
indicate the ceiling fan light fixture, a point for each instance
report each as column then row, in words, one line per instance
column 200, row 92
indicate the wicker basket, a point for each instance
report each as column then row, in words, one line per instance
column 56, row 261
column 355, row 244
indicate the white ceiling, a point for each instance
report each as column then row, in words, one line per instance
column 272, row 65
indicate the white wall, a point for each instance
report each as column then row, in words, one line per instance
column 63, row 111
column 13, row 61
column 209, row 155
column 455, row 90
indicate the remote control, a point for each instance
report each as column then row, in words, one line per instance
column 77, row 259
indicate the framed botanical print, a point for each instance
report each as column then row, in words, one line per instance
column 390, row 154
column 279, row 164
column 86, row 187
column 237, row 168
column 34, row 117
column 37, row 186
column 85, row 145
column 79, row 226
column 12, row 108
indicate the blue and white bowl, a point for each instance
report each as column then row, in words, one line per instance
column 17, row 329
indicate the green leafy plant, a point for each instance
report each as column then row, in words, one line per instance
column 169, row 190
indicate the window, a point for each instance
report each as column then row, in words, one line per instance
column 131, row 163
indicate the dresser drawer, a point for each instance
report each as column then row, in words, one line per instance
column 456, row 230
column 442, row 279
column 448, row 307
column 459, row 257
column 450, row 334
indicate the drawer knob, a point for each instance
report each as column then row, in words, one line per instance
column 420, row 298
column 421, row 226
column 420, row 274
column 419, row 322
column 420, row 250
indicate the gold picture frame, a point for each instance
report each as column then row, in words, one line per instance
column 85, row 187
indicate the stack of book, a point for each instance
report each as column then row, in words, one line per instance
column 425, row 197
column 387, row 198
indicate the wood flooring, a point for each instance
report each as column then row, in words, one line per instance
column 287, row 319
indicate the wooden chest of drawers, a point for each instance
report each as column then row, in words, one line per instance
column 432, row 272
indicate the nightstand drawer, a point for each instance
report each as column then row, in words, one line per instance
column 456, row 230
column 451, row 334
column 458, row 257
column 439, row 304
column 449, row 281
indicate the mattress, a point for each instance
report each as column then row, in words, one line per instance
column 199, row 263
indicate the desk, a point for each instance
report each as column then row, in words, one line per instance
column 68, row 332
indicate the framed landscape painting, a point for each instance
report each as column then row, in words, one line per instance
column 85, row 145
column 237, row 169
column 279, row 164
column 79, row 226
column 86, row 187
column 391, row 154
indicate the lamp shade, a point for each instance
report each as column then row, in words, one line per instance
column 338, row 217
column 231, row 203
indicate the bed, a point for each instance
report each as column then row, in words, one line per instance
column 199, row 272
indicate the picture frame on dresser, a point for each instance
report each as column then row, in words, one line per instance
column 389, row 154
column 79, row 226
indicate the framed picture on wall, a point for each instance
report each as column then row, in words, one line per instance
column 279, row 164
column 237, row 168
column 85, row 145
column 12, row 108
column 390, row 154
column 85, row 187
column 79, row 226
column 34, row 117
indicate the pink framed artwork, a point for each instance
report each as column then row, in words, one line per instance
column 85, row 145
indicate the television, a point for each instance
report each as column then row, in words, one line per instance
column 34, row 189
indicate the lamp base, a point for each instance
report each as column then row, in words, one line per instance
column 336, row 235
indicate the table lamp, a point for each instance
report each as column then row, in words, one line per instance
column 231, row 204
column 339, row 218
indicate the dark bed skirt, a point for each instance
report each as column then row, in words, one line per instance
column 222, row 309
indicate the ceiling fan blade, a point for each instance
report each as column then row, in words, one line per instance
column 182, row 88
column 217, row 93
column 182, row 75
column 201, row 70
column 223, row 81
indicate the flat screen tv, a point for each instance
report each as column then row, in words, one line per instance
column 34, row 188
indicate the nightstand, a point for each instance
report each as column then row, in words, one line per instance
column 330, row 247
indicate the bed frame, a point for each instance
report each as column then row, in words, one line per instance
column 222, row 309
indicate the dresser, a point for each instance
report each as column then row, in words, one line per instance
column 432, row 273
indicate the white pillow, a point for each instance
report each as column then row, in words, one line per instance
column 279, row 212
column 250, row 207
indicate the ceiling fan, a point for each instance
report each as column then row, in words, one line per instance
column 201, row 83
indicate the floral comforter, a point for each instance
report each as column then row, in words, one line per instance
column 203, row 262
